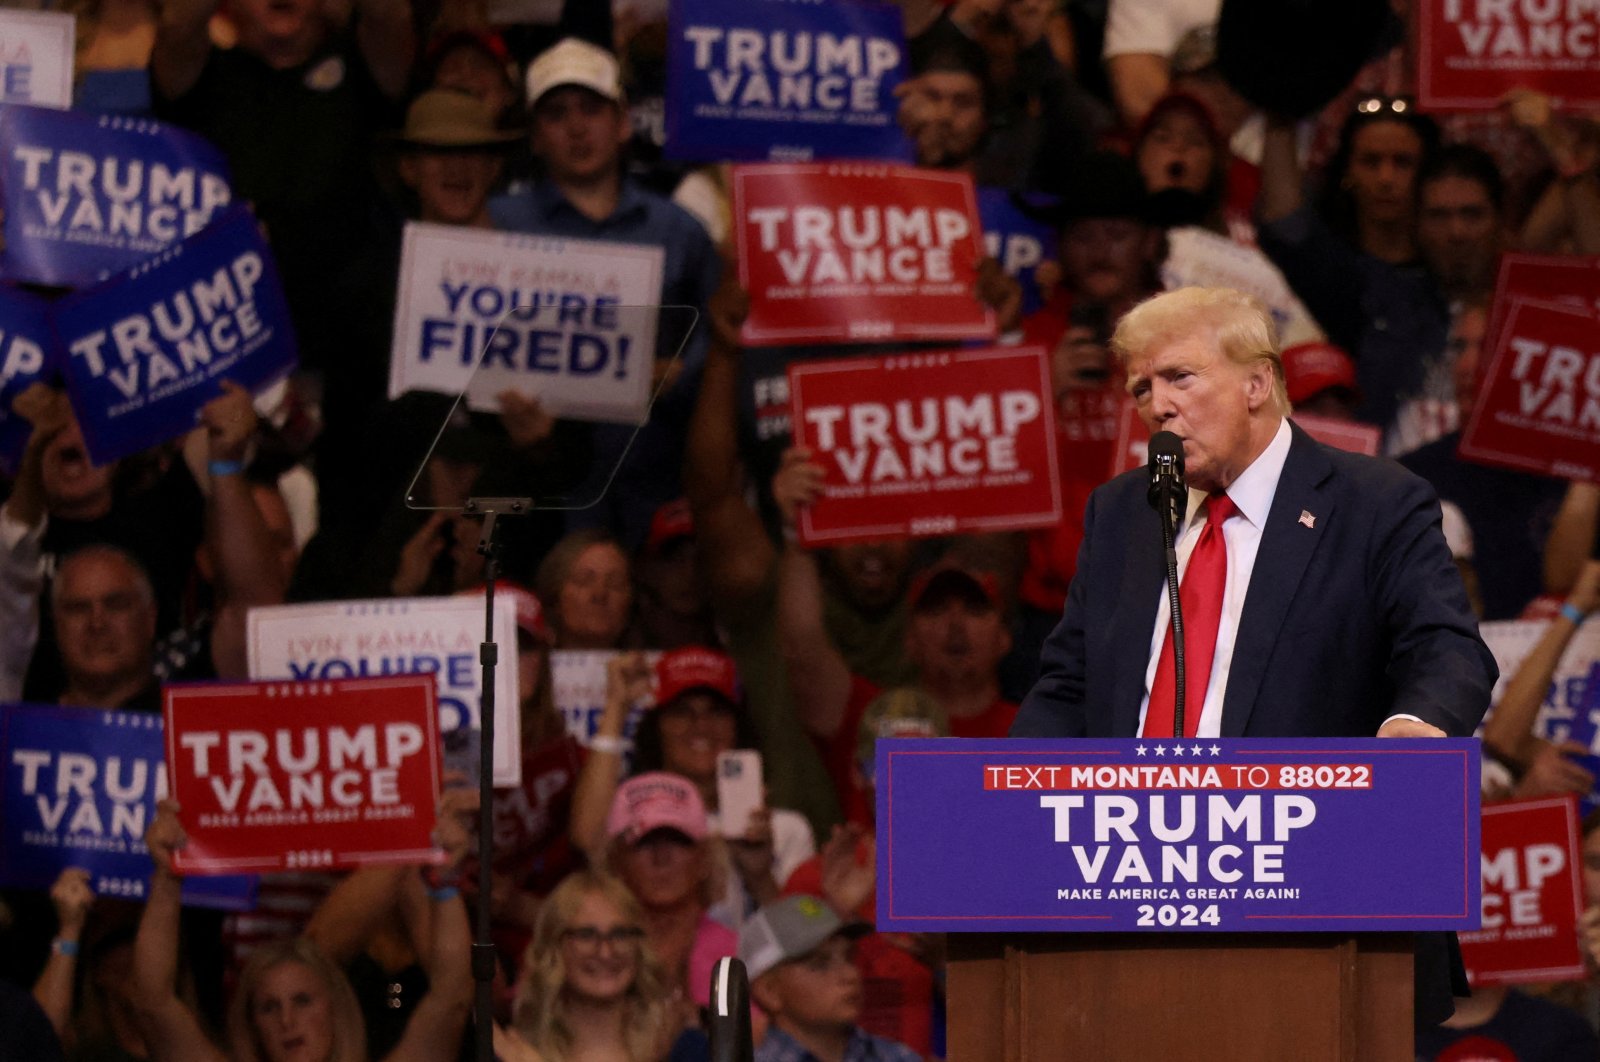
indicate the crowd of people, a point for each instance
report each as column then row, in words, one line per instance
column 614, row 886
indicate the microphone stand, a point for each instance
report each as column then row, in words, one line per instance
column 483, row 959
column 1169, row 519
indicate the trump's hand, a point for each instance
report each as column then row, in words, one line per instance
column 1409, row 728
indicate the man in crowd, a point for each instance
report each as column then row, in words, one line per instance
column 1319, row 596
column 800, row 959
column 580, row 127
column 1392, row 318
column 294, row 107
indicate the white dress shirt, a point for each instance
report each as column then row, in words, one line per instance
column 1252, row 492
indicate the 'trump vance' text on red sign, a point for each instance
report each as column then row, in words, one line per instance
column 928, row 444
column 840, row 252
column 288, row 775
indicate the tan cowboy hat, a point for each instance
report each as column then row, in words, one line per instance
column 445, row 118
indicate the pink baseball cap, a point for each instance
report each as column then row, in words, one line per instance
column 656, row 801
column 696, row 668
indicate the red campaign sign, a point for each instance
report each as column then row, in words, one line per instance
column 1470, row 53
column 1565, row 278
column 1351, row 436
column 289, row 775
column 1539, row 407
column 928, row 444
column 1133, row 438
column 1531, row 895
column 1132, row 449
column 846, row 252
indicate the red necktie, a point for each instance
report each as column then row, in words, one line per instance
column 1200, row 591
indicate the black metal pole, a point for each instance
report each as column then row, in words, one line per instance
column 483, row 958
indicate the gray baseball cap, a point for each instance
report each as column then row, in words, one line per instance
column 788, row 929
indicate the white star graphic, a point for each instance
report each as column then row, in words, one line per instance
column 1177, row 750
column 1139, row 750
column 1197, row 750
column 1160, row 750
column 1216, row 751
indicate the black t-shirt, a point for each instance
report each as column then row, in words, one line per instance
column 160, row 524
column 299, row 143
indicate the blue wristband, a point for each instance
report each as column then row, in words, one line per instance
column 62, row 946
column 443, row 894
column 219, row 469
column 1573, row 613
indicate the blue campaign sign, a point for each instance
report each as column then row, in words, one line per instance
column 79, row 788
column 784, row 80
column 89, row 195
column 1235, row 834
column 1583, row 731
column 146, row 349
column 1015, row 238
column 26, row 343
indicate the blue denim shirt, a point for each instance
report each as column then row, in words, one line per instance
column 778, row 1046
column 651, row 474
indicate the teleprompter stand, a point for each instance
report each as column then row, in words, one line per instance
column 483, row 956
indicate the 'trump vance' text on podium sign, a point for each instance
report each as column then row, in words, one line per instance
column 1281, row 834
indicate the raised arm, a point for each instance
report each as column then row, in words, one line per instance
column 434, row 1031
column 1508, row 733
column 1572, row 537
column 243, row 555
column 182, row 46
column 355, row 909
column 72, row 897
column 735, row 554
column 819, row 677
column 627, row 681
column 171, row 1030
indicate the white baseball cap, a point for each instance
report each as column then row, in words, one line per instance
column 574, row 62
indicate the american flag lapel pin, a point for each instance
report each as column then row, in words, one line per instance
column 1307, row 519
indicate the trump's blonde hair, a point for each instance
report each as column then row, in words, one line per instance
column 1239, row 324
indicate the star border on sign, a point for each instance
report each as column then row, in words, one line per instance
column 1177, row 750
column 1216, row 750
column 1161, row 750
column 1139, row 750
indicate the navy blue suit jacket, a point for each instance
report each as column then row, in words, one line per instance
column 1360, row 616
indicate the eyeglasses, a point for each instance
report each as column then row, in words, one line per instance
column 588, row 939
column 1380, row 104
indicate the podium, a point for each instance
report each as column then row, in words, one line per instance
column 1258, row 901
column 1132, row 998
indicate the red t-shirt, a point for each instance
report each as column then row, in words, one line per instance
column 839, row 751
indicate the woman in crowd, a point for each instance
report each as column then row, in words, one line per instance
column 586, row 583
column 1369, row 191
column 292, row 1002
column 698, row 713
column 659, row 844
column 592, row 986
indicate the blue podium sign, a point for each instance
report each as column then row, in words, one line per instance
column 1276, row 835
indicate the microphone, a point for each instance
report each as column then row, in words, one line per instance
column 1168, row 491
column 1170, row 497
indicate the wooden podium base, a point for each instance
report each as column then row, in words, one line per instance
column 1230, row 997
